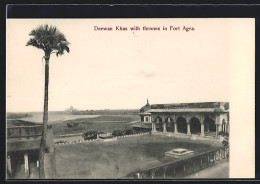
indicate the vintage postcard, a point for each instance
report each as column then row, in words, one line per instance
column 169, row 98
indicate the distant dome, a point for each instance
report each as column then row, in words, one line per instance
column 146, row 107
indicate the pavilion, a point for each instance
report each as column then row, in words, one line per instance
column 208, row 118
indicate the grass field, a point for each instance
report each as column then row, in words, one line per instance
column 104, row 160
column 100, row 123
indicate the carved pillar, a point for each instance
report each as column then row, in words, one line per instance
column 217, row 122
column 26, row 165
column 217, row 125
column 202, row 129
column 188, row 128
column 9, row 168
column 164, row 171
column 164, row 126
column 175, row 128
column 139, row 176
column 154, row 127
column 153, row 173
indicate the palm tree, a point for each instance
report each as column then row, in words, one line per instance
column 50, row 40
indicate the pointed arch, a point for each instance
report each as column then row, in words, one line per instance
column 181, row 124
column 209, row 125
column 195, row 125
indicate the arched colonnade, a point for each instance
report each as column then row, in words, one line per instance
column 189, row 123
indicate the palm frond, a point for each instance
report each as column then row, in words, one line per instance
column 49, row 39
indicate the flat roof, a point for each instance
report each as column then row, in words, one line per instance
column 188, row 110
column 197, row 105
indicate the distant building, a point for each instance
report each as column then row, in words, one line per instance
column 71, row 110
column 187, row 118
column 145, row 114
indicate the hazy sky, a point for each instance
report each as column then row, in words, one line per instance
column 121, row 69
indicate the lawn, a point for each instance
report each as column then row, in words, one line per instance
column 118, row 158
column 104, row 123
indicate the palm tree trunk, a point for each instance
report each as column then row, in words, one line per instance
column 45, row 119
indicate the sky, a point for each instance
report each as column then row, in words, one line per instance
column 122, row 69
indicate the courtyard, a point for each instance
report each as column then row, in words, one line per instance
column 118, row 158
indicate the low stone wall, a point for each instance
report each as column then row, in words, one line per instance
column 94, row 140
column 188, row 165
column 24, row 131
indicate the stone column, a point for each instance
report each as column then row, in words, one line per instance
column 164, row 127
column 138, row 175
column 164, row 171
column 26, row 165
column 188, row 129
column 175, row 128
column 9, row 168
column 202, row 129
column 153, row 173
column 217, row 130
column 154, row 127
